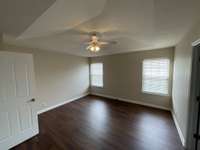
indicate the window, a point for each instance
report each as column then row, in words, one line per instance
column 156, row 76
column 96, row 74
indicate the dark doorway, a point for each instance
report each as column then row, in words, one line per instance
column 193, row 141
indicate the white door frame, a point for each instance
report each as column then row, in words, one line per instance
column 194, row 92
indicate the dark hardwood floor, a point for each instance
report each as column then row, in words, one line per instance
column 96, row 123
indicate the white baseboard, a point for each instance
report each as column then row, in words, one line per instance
column 62, row 103
column 149, row 105
column 179, row 130
column 132, row 101
column 125, row 100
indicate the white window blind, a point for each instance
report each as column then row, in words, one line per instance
column 156, row 76
column 96, row 73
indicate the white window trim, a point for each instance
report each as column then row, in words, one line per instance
column 97, row 86
column 152, row 93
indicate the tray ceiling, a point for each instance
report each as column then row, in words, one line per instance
column 64, row 25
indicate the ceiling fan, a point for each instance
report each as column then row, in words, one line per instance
column 95, row 44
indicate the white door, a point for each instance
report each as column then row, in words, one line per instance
column 18, row 117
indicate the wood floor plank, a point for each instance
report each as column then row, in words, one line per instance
column 96, row 123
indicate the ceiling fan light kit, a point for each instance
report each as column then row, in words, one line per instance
column 94, row 48
column 95, row 44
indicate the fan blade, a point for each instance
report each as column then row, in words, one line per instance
column 103, row 43
column 88, row 43
column 108, row 42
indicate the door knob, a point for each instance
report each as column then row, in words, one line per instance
column 32, row 100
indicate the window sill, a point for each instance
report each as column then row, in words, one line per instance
column 93, row 86
column 156, row 94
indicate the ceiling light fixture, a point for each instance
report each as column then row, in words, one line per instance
column 94, row 48
column 94, row 45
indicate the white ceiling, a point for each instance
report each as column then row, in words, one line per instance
column 17, row 15
column 64, row 25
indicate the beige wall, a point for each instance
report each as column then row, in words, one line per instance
column 181, row 79
column 123, row 76
column 59, row 77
